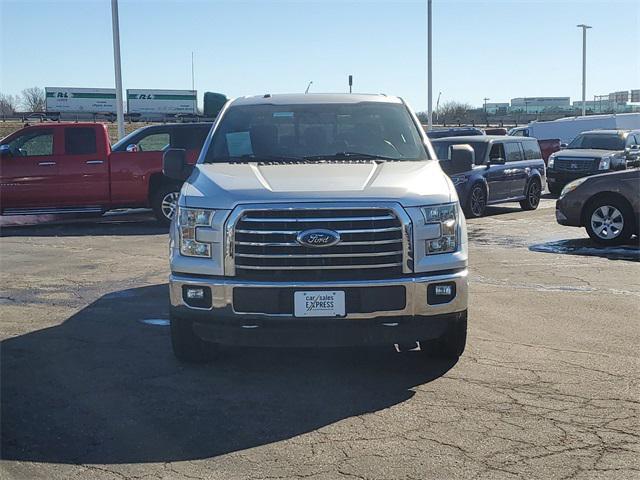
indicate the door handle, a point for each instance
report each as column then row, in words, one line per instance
column 46, row 164
column 94, row 162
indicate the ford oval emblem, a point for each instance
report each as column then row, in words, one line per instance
column 318, row 238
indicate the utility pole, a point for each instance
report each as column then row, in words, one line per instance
column 118, row 70
column 116, row 61
column 193, row 77
column 584, row 66
column 429, row 77
column 485, row 104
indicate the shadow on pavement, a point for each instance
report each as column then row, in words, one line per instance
column 584, row 246
column 132, row 222
column 104, row 387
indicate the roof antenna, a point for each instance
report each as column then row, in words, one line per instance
column 308, row 87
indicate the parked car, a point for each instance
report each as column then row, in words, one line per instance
column 606, row 205
column 71, row 168
column 591, row 153
column 495, row 131
column 548, row 146
column 454, row 132
column 506, row 169
column 317, row 220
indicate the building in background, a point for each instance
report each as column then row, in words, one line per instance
column 540, row 104
column 497, row 108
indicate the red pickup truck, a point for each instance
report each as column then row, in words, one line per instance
column 71, row 168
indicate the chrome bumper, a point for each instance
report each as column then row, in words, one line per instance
column 415, row 287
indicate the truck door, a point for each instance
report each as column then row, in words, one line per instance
column 83, row 177
column 495, row 175
column 29, row 170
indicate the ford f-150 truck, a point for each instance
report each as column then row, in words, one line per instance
column 317, row 220
column 71, row 168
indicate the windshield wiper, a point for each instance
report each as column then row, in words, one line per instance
column 251, row 157
column 350, row 155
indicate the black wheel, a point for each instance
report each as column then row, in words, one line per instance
column 164, row 202
column 187, row 346
column 609, row 220
column 477, row 202
column 533, row 193
column 555, row 188
column 451, row 344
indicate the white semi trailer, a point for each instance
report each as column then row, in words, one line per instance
column 566, row 129
column 80, row 100
column 158, row 103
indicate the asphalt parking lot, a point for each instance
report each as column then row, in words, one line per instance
column 547, row 388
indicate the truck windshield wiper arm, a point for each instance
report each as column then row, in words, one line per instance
column 251, row 157
column 350, row 155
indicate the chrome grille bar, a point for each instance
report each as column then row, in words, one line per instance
column 261, row 242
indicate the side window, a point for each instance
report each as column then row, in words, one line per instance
column 518, row 133
column 531, row 151
column 189, row 138
column 33, row 144
column 154, row 142
column 78, row 141
column 513, row 151
column 497, row 151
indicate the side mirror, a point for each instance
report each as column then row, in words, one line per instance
column 5, row 151
column 563, row 146
column 174, row 164
column 132, row 148
column 462, row 158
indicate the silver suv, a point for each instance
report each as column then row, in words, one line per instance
column 317, row 220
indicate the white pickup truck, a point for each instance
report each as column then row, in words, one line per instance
column 317, row 220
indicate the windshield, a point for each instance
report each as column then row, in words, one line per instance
column 316, row 132
column 598, row 141
column 443, row 151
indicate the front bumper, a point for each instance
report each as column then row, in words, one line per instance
column 411, row 320
column 562, row 178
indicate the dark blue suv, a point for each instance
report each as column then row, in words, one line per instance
column 506, row 169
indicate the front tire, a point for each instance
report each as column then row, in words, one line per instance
column 555, row 189
column 164, row 202
column 609, row 221
column 187, row 346
column 476, row 202
column 533, row 194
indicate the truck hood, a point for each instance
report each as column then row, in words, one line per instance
column 226, row 185
column 585, row 152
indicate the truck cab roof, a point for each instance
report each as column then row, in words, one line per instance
column 313, row 98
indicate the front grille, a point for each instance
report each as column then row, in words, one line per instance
column 575, row 164
column 370, row 247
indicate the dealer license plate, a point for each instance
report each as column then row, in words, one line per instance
column 319, row 304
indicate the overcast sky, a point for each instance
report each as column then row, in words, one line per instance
column 495, row 49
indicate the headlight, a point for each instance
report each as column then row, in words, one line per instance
column 551, row 161
column 459, row 179
column 447, row 216
column 571, row 186
column 188, row 220
column 605, row 163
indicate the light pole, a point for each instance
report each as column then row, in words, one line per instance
column 116, row 62
column 584, row 66
column 486, row 117
column 429, row 79
column 438, row 107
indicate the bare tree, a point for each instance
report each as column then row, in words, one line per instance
column 8, row 104
column 33, row 99
column 453, row 111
